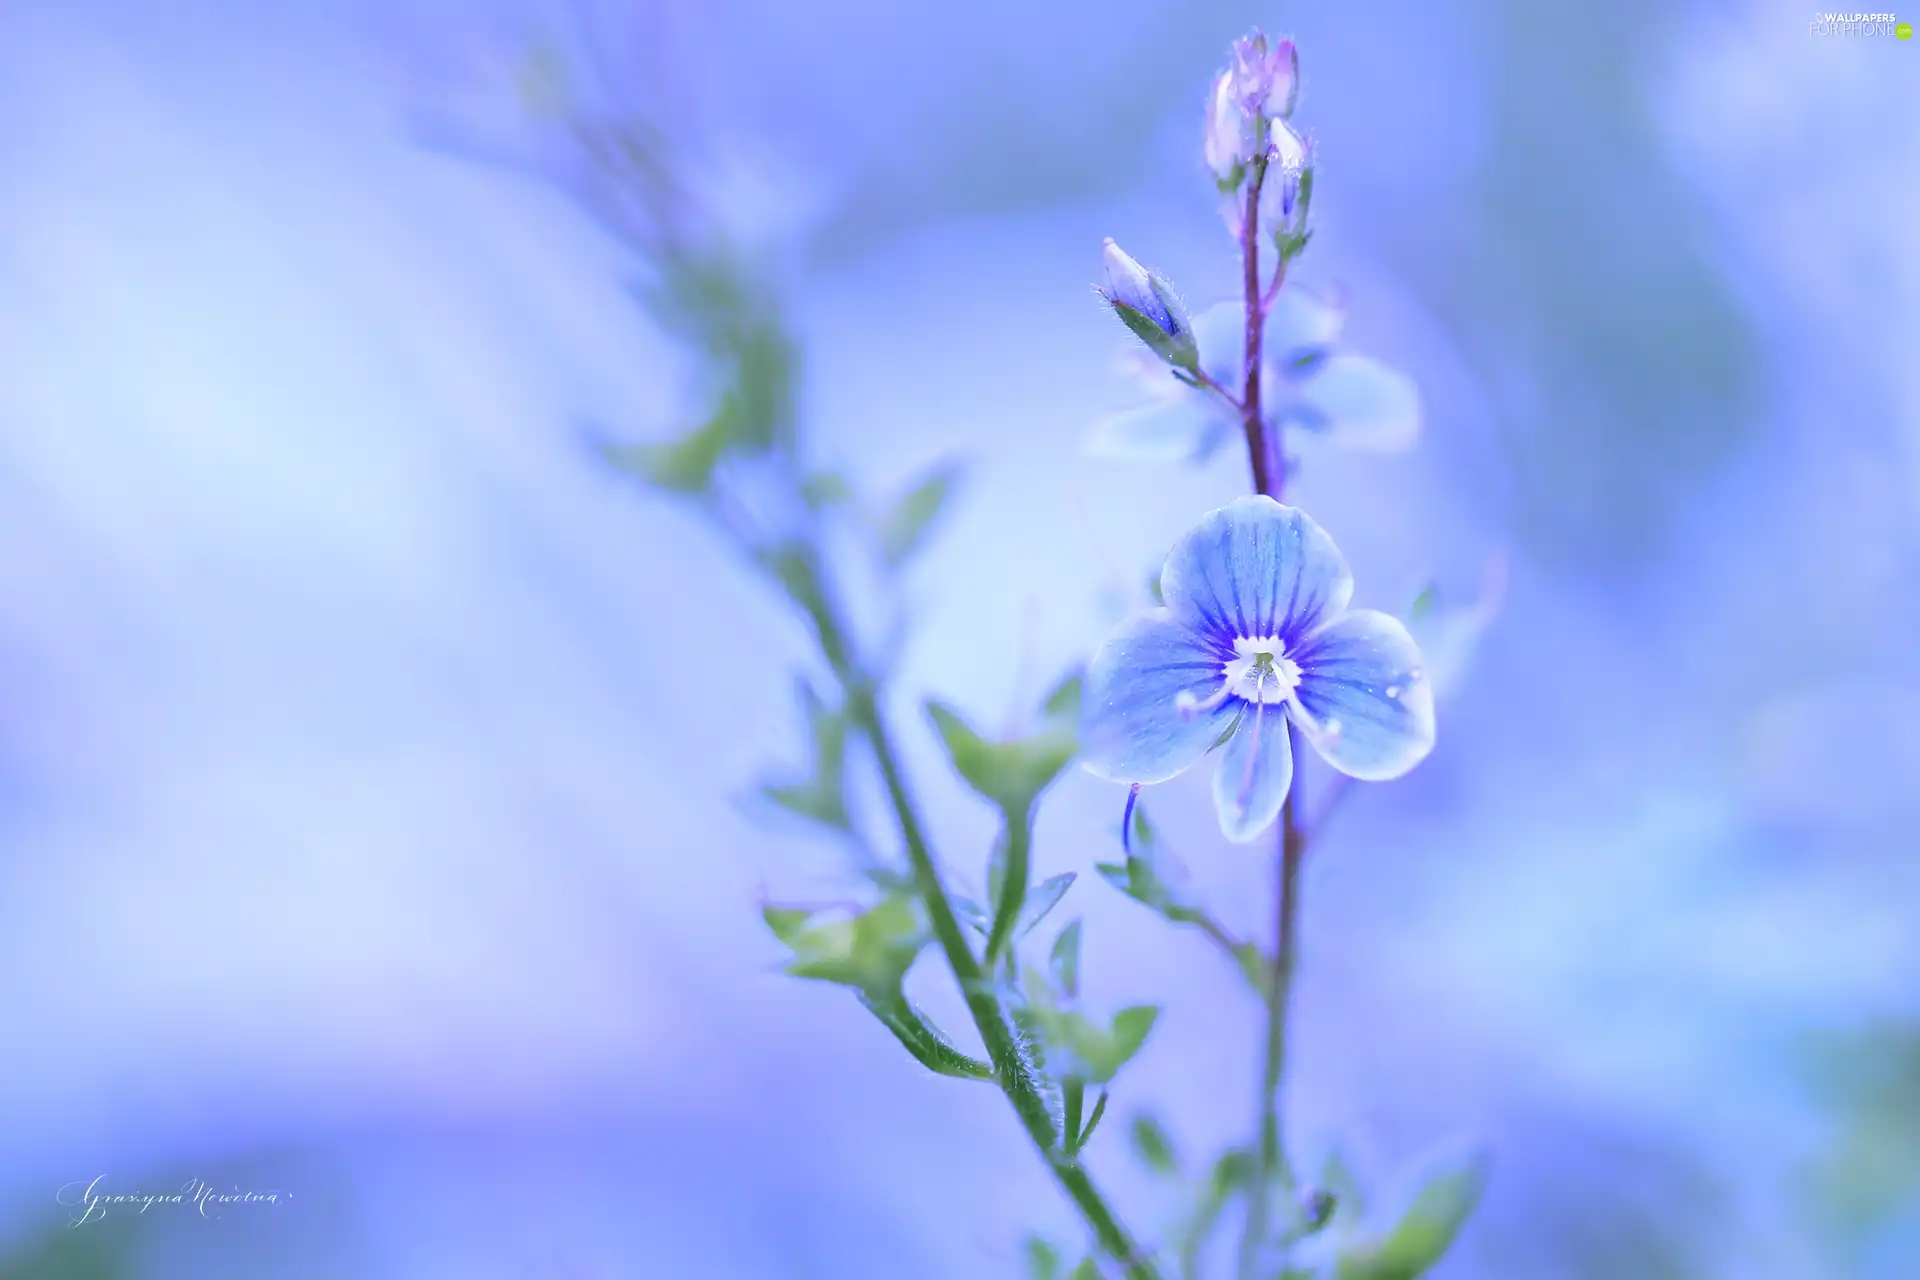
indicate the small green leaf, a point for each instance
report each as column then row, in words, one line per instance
column 1087, row 1270
column 1425, row 1230
column 870, row 951
column 1076, row 1045
column 1152, row 1145
column 1253, row 966
column 1063, row 700
column 904, row 529
column 1131, row 1027
column 821, row 795
column 1012, row 774
column 1041, row 899
column 1423, row 604
column 926, row 1042
column 1093, row 1122
column 1043, row 1260
column 827, row 489
column 683, row 466
column 1064, row 960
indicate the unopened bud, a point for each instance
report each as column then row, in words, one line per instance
column 1232, row 132
column 1288, row 157
column 1146, row 304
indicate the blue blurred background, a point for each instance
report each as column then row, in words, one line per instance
column 370, row 758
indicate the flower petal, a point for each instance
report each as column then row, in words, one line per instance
column 1300, row 320
column 1132, row 730
column 1364, row 702
column 1174, row 428
column 1256, row 769
column 1255, row 568
column 1360, row 404
column 1221, row 331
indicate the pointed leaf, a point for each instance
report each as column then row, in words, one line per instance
column 1093, row 1122
column 1063, row 700
column 1423, row 1233
column 870, row 951
column 1131, row 1027
column 1064, row 960
column 1043, row 1260
column 1041, row 899
column 1012, row 774
column 926, row 1042
column 904, row 529
column 1152, row 1145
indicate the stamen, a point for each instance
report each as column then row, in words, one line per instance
column 1186, row 706
column 1253, row 751
column 1126, row 821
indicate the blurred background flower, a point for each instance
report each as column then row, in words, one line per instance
column 370, row 756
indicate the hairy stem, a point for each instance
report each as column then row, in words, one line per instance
column 1010, row 1069
column 1269, row 477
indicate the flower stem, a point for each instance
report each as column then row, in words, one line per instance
column 1270, row 1154
column 1269, row 477
column 1010, row 1069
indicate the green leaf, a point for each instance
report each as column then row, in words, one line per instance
column 1079, row 1047
column 1253, row 966
column 1423, row 604
column 1043, row 1260
column 1153, row 1146
column 1093, row 1122
column 904, row 529
column 926, row 1042
column 1425, row 1230
column 827, row 489
column 1041, row 900
column 1064, row 699
column 1012, row 774
column 870, row 951
column 683, row 466
column 1064, row 960
column 821, row 796
column 1131, row 1026
column 1087, row 1270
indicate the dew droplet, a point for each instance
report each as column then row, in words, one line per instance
column 1333, row 728
column 1393, row 691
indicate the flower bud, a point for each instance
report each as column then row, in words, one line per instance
column 1265, row 80
column 1288, row 158
column 1231, row 132
column 1146, row 304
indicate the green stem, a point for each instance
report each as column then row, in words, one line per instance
column 1014, row 1078
column 1011, row 1072
column 1013, row 885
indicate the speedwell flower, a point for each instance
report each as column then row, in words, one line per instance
column 1306, row 384
column 1255, row 633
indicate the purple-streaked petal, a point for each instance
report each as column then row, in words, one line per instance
column 1175, row 428
column 1364, row 702
column 1132, row 729
column 1255, row 568
column 1256, row 768
column 1361, row 404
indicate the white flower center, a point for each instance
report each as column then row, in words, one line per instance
column 1260, row 670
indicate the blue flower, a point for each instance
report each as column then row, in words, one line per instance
column 1306, row 383
column 1146, row 304
column 1256, row 632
